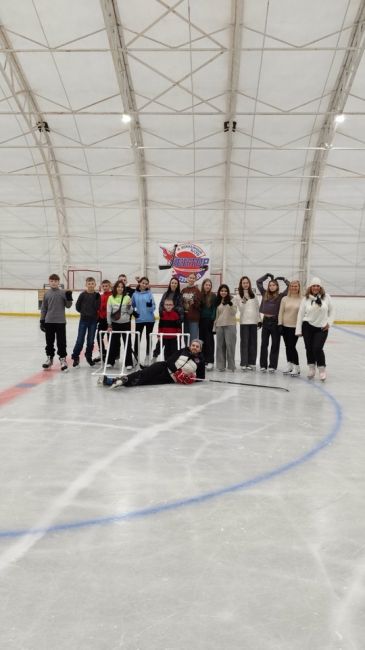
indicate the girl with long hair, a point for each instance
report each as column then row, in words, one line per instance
column 144, row 310
column 118, row 311
column 248, row 306
column 315, row 317
column 207, row 316
column 269, row 308
column 288, row 314
column 225, row 328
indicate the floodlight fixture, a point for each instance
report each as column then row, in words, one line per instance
column 126, row 119
column 340, row 118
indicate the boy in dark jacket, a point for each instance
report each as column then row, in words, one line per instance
column 88, row 304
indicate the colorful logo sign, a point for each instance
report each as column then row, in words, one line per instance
column 186, row 258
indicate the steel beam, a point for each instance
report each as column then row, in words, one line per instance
column 336, row 106
column 22, row 96
column 114, row 30
column 236, row 39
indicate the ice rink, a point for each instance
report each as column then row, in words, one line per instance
column 206, row 517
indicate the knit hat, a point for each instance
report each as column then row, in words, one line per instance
column 315, row 281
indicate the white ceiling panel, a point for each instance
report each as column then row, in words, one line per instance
column 95, row 191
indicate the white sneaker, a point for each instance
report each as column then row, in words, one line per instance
column 311, row 371
column 209, row 366
column 243, row 368
column 263, row 369
column 289, row 369
column 272, row 369
column 251, row 367
column 322, row 373
column 129, row 367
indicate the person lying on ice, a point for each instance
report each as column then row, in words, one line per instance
column 182, row 367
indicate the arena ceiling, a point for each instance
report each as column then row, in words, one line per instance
column 280, row 189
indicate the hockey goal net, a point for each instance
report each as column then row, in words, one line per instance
column 76, row 278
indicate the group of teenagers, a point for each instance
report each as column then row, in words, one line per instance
column 199, row 312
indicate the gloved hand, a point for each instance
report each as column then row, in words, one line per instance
column 149, row 303
column 259, row 325
column 280, row 277
column 68, row 295
column 270, row 275
column 280, row 329
column 135, row 314
column 182, row 378
column 42, row 325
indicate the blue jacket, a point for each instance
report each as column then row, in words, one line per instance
column 144, row 304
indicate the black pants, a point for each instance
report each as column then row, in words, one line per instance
column 139, row 328
column 314, row 340
column 290, row 340
column 56, row 331
column 248, row 344
column 114, row 351
column 269, row 330
column 206, row 335
column 102, row 326
column 169, row 344
column 155, row 374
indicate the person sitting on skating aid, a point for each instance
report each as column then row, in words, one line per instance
column 182, row 367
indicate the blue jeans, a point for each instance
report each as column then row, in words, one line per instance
column 191, row 327
column 85, row 327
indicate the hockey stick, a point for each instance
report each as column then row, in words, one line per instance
column 240, row 383
column 165, row 267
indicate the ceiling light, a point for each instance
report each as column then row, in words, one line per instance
column 340, row 118
column 126, row 118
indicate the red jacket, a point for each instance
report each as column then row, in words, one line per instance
column 103, row 302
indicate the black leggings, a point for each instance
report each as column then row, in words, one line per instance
column 269, row 330
column 114, row 351
column 314, row 340
column 290, row 340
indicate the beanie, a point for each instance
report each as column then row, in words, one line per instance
column 315, row 281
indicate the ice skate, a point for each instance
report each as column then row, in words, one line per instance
column 63, row 363
column 311, row 371
column 118, row 382
column 322, row 373
column 209, row 366
column 48, row 363
column 295, row 372
column 289, row 369
column 75, row 362
column 104, row 380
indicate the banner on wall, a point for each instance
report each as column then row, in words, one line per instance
column 181, row 259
